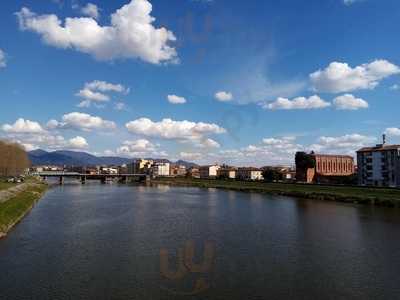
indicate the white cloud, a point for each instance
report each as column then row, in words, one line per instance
column 140, row 148
column 90, row 10
column 340, row 77
column 350, row 2
column 103, row 86
column 223, row 96
column 174, row 99
column 120, row 106
column 392, row 131
column 96, row 90
column 349, row 102
column 184, row 131
column 82, row 121
column 78, row 142
column 313, row 102
column 31, row 137
column 3, row 62
column 346, row 144
column 271, row 150
column 209, row 143
column 190, row 155
column 23, row 126
column 395, row 87
column 130, row 35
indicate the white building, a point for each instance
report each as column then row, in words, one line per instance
column 209, row 171
column 249, row 174
column 379, row 165
column 109, row 170
column 161, row 169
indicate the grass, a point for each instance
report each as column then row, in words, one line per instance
column 6, row 185
column 366, row 195
column 12, row 211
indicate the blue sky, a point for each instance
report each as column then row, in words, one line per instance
column 248, row 84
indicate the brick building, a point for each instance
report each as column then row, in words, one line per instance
column 325, row 166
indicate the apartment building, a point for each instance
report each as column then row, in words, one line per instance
column 249, row 174
column 209, row 171
column 178, row 170
column 227, row 172
column 140, row 166
column 379, row 165
column 160, row 169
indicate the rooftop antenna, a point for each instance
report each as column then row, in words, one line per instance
column 384, row 139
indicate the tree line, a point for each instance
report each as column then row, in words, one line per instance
column 13, row 159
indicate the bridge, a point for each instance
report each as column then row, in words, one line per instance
column 84, row 177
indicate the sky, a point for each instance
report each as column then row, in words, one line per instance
column 244, row 83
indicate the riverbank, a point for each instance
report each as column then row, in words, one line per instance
column 17, row 201
column 362, row 195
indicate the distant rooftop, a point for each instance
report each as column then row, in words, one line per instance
column 332, row 155
column 380, row 147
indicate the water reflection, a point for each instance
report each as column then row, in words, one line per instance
column 103, row 242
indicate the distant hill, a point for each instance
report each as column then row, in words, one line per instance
column 73, row 158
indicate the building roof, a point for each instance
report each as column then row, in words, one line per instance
column 249, row 169
column 332, row 155
column 379, row 148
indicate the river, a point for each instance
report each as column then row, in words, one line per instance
column 98, row 241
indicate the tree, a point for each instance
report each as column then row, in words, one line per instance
column 13, row 159
column 304, row 161
column 271, row 175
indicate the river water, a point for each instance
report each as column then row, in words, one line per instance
column 135, row 242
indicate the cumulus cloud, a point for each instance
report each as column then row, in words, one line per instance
column 90, row 10
column 78, row 142
column 185, row 131
column 346, row 144
column 3, row 62
column 313, row 102
column 96, row 91
column 174, row 99
column 271, row 150
column 223, row 96
column 140, row 148
column 130, row 35
column 340, row 77
column 32, row 136
column 82, row 121
column 392, row 131
column 190, row 155
column 349, row 102
column 23, row 126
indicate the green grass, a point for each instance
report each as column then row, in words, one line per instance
column 15, row 208
column 6, row 185
column 379, row 196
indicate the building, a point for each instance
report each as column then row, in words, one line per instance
column 227, row 173
column 178, row 170
column 249, row 174
column 160, row 169
column 280, row 173
column 193, row 172
column 314, row 167
column 209, row 171
column 379, row 165
column 140, row 166
column 109, row 170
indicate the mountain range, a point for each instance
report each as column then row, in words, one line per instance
column 73, row 158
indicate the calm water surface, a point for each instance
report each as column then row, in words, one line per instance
column 104, row 242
